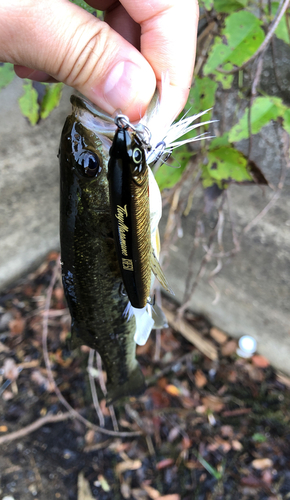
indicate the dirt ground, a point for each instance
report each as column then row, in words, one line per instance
column 210, row 426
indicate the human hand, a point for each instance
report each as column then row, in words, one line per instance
column 56, row 40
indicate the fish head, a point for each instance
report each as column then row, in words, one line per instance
column 84, row 153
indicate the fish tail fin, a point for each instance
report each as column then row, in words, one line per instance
column 134, row 386
column 157, row 271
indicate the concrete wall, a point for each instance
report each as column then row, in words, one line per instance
column 254, row 285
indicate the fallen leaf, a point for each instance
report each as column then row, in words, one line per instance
column 227, row 431
column 200, row 379
column 218, row 335
column 128, row 465
column 174, row 496
column 283, row 379
column 262, row 463
column 236, row 445
column 151, row 492
column 16, row 326
column 166, row 462
column 172, row 390
column 187, row 402
column 103, row 483
column 10, row 369
column 84, row 490
column 90, row 437
column 213, row 403
column 3, row 428
column 229, row 348
column 260, row 361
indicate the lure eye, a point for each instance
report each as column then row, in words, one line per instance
column 91, row 165
column 137, row 155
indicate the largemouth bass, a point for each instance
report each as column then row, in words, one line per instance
column 102, row 316
column 92, row 281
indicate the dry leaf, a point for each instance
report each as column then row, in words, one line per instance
column 166, row 462
column 151, row 492
column 174, row 496
column 229, row 348
column 227, row 431
column 90, row 437
column 84, row 490
column 283, row 379
column 10, row 370
column 128, row 465
column 16, row 326
column 3, row 428
column 213, row 403
column 236, row 445
column 103, row 483
column 218, row 335
column 200, row 379
column 262, row 463
column 172, row 390
column 260, row 361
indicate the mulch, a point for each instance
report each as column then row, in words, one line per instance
column 207, row 428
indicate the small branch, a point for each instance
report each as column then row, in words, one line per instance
column 48, row 419
column 192, row 335
column 93, row 388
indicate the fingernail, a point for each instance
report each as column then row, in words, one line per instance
column 123, row 82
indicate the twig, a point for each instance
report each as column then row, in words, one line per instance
column 93, row 388
column 104, row 389
column 191, row 334
column 73, row 412
column 135, row 416
column 47, row 419
column 263, row 45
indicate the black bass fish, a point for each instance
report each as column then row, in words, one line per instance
column 102, row 316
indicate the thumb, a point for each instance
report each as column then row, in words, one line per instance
column 66, row 42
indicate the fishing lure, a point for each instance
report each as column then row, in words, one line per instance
column 129, row 199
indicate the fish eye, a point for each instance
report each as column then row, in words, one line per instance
column 91, row 165
column 137, row 155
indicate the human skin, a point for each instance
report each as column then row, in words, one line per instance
column 116, row 63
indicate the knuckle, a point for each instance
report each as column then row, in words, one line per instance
column 84, row 54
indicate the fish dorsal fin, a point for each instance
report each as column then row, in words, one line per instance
column 157, row 271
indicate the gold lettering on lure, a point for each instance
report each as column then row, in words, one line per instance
column 123, row 229
column 127, row 264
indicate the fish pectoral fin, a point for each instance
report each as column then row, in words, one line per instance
column 157, row 271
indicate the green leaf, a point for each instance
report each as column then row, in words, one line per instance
column 6, row 74
column 263, row 110
column 240, row 39
column 281, row 30
column 168, row 175
column 223, row 140
column 229, row 6
column 51, row 99
column 225, row 80
column 286, row 121
column 208, row 4
column 28, row 102
column 226, row 164
column 83, row 5
column 201, row 97
column 259, row 438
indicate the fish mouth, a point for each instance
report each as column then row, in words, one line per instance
column 92, row 117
